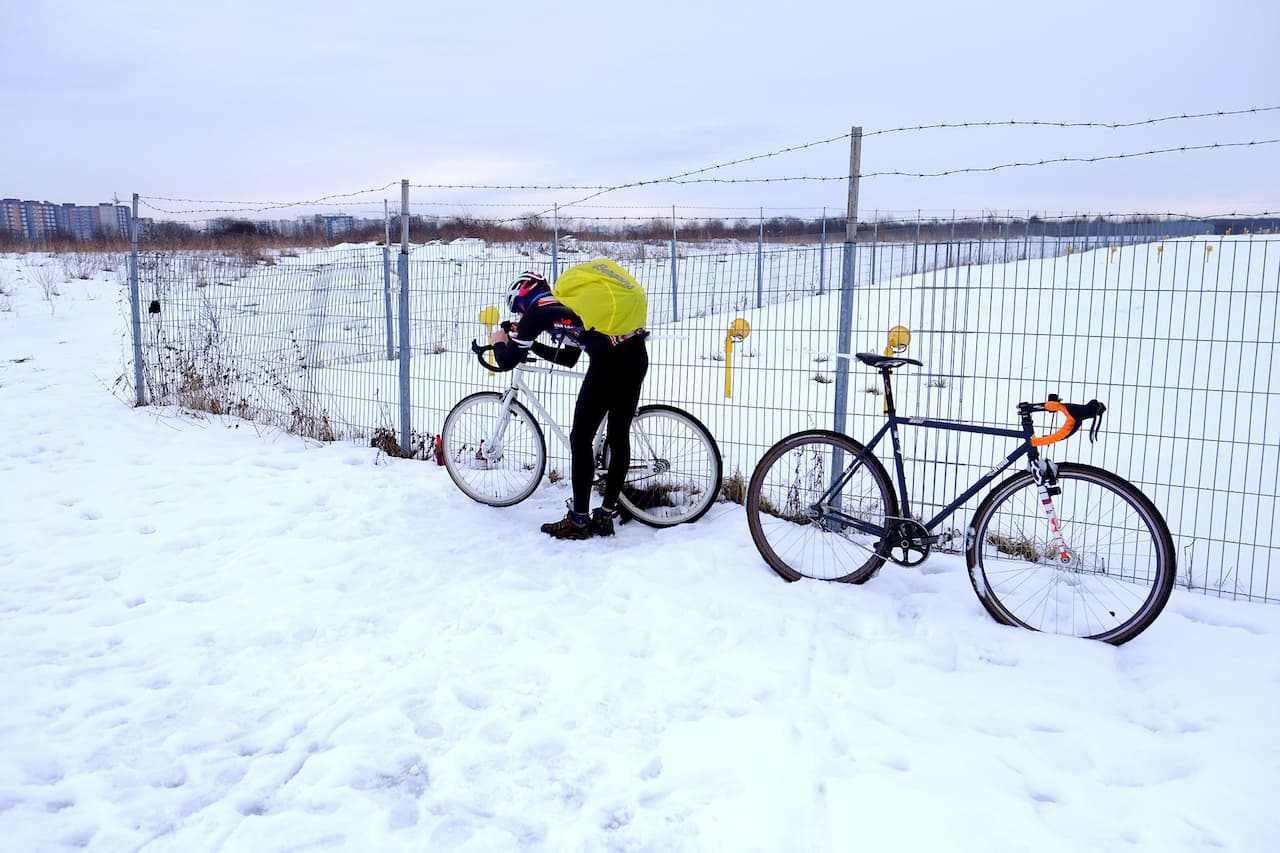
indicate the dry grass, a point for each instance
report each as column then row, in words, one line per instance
column 1021, row 547
column 734, row 488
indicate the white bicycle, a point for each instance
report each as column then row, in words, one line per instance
column 496, row 453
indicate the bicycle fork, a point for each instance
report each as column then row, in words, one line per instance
column 1045, row 475
column 490, row 449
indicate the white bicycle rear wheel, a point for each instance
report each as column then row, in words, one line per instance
column 675, row 471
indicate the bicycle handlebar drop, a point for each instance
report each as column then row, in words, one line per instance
column 1075, row 413
column 485, row 363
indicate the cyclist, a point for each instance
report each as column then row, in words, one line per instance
column 617, row 367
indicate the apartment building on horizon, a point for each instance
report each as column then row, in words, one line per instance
column 44, row 220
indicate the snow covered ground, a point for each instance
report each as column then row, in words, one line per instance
column 217, row 636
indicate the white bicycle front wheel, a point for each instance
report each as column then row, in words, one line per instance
column 495, row 454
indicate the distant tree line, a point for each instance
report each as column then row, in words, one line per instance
column 252, row 236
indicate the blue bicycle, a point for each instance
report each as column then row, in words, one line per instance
column 1060, row 547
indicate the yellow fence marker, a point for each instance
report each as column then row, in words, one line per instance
column 489, row 316
column 738, row 331
column 899, row 340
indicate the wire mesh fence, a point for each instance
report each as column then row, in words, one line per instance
column 1175, row 335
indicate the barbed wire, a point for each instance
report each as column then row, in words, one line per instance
column 1013, row 165
column 779, row 152
column 690, row 177
column 1067, row 124
column 970, row 169
column 268, row 205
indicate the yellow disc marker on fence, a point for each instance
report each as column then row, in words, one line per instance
column 738, row 331
column 899, row 340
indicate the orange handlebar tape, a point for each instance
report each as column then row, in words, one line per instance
column 1062, row 432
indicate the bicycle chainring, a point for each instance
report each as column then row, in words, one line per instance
column 908, row 542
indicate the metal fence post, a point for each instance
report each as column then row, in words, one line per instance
column 822, row 255
column 875, row 246
column 404, row 315
column 915, row 247
column 135, row 309
column 386, row 278
column 675, row 302
column 760, row 263
column 844, row 333
column 555, row 242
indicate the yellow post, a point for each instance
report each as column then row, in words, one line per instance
column 489, row 317
column 738, row 330
column 1111, row 257
column 1159, row 253
column 899, row 340
column 1208, row 250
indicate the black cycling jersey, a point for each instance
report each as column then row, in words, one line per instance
column 610, row 387
column 547, row 314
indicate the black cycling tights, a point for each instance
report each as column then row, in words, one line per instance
column 611, row 387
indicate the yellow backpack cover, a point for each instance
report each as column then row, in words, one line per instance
column 604, row 295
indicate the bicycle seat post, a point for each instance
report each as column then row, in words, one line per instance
column 889, row 408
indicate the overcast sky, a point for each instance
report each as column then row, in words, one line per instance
column 279, row 102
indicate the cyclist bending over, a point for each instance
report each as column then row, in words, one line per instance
column 617, row 367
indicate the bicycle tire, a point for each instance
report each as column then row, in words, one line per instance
column 793, row 534
column 1124, row 562
column 676, row 470
column 500, row 477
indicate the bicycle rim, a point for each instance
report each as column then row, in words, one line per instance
column 496, row 470
column 675, row 471
column 1121, row 566
column 796, row 530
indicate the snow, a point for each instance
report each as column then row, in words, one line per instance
column 218, row 636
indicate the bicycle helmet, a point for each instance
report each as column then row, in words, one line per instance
column 520, row 291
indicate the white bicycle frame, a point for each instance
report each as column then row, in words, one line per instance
column 529, row 399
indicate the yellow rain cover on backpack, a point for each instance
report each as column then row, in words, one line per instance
column 604, row 295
